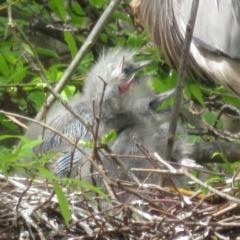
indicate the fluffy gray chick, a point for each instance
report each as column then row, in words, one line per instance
column 115, row 68
column 151, row 130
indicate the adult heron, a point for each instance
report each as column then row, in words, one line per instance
column 215, row 47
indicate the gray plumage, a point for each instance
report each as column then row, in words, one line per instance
column 64, row 122
column 129, row 110
column 115, row 68
column 215, row 49
column 151, row 130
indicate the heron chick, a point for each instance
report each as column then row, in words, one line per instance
column 150, row 129
column 117, row 69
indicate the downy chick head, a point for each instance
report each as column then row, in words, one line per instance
column 117, row 70
column 105, row 66
column 144, row 104
column 154, row 124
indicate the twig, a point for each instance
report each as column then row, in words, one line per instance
column 72, row 156
column 216, row 132
column 97, row 119
column 196, row 180
column 181, row 75
column 21, row 196
column 122, row 166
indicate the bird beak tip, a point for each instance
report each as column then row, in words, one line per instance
column 141, row 64
column 124, row 86
column 160, row 98
column 119, row 68
column 167, row 94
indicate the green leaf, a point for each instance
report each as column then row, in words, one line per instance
column 121, row 16
column 86, row 63
column 210, row 117
column 38, row 98
column 59, row 8
column 228, row 166
column 11, row 58
column 171, row 80
column 8, row 124
column 58, row 67
column 134, row 41
column 103, row 37
column 78, row 15
column 194, row 89
column 83, row 184
column 3, row 80
column 63, row 203
column 232, row 100
column 111, row 136
column 31, row 144
column 98, row 3
column 23, row 138
column 64, row 96
column 28, row 49
column 46, row 173
column 214, row 179
column 4, row 66
column 193, row 138
column 18, row 75
column 69, row 91
column 158, row 85
column 71, row 43
column 86, row 144
column 46, row 52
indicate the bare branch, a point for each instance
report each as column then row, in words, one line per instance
column 181, row 76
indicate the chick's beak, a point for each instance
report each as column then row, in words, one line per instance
column 134, row 67
column 124, row 86
column 160, row 98
column 130, row 69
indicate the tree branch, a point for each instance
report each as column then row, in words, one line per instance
column 181, row 76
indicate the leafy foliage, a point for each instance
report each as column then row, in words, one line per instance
column 42, row 38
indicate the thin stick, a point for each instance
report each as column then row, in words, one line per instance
column 181, row 76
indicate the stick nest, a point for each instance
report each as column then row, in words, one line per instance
column 33, row 212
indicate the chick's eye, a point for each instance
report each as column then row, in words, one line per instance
column 152, row 104
column 128, row 69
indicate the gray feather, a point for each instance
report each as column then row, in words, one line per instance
column 218, row 29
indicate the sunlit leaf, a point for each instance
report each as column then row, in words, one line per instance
column 134, row 41
column 196, row 93
column 98, row 3
column 4, row 69
column 71, row 43
column 111, row 136
column 63, row 203
column 59, row 7
column 228, row 166
column 210, row 117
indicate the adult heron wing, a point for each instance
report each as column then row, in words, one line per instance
column 217, row 26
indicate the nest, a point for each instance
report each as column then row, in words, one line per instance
column 33, row 212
